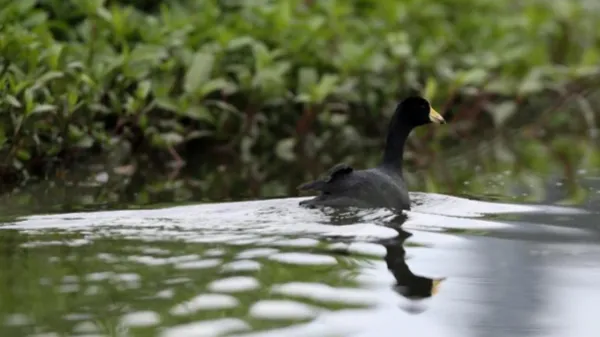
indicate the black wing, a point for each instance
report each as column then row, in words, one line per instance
column 330, row 180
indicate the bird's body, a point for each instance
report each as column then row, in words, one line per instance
column 382, row 186
column 343, row 186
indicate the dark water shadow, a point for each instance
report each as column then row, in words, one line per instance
column 411, row 286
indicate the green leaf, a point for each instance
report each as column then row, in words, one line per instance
column 72, row 98
column 87, row 80
column 303, row 98
column 167, row 103
column 217, row 84
column 74, row 132
column 47, row 77
column 532, row 83
column 85, row 142
column 199, row 71
column 23, row 154
column 430, row 88
column 143, row 89
column 41, row 108
column 591, row 56
column 240, row 42
column 12, row 100
column 171, row 138
column 54, row 55
column 285, row 149
column 471, row 77
column 196, row 134
column 199, row 112
column 307, row 79
column 326, row 87
column 503, row 111
column 224, row 106
column 28, row 96
column 104, row 14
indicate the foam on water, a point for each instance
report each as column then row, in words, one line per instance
column 86, row 327
column 264, row 220
column 140, row 319
column 234, row 284
column 198, row 264
column 45, row 334
column 303, row 258
column 319, row 292
column 367, row 248
column 283, row 309
column 77, row 317
column 17, row 319
column 218, row 327
column 441, row 204
column 241, row 265
column 68, row 288
column 302, row 242
column 205, row 302
column 166, row 293
column 373, row 275
column 214, row 252
column 257, row 252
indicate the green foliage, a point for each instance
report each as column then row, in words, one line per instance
column 271, row 82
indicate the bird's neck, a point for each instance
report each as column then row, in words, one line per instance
column 393, row 154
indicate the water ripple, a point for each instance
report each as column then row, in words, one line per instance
column 271, row 268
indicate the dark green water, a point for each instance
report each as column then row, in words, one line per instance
column 524, row 260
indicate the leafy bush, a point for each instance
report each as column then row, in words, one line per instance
column 267, row 84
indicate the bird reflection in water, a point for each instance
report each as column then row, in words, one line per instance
column 414, row 287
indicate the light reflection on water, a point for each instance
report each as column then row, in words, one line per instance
column 270, row 268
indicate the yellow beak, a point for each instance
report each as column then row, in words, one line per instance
column 435, row 287
column 435, row 117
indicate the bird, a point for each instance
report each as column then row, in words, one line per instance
column 382, row 186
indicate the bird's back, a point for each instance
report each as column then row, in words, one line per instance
column 374, row 187
column 386, row 187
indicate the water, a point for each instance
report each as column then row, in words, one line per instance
column 452, row 266
column 510, row 246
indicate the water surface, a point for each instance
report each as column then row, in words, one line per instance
column 450, row 267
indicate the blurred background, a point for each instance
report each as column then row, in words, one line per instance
column 130, row 103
